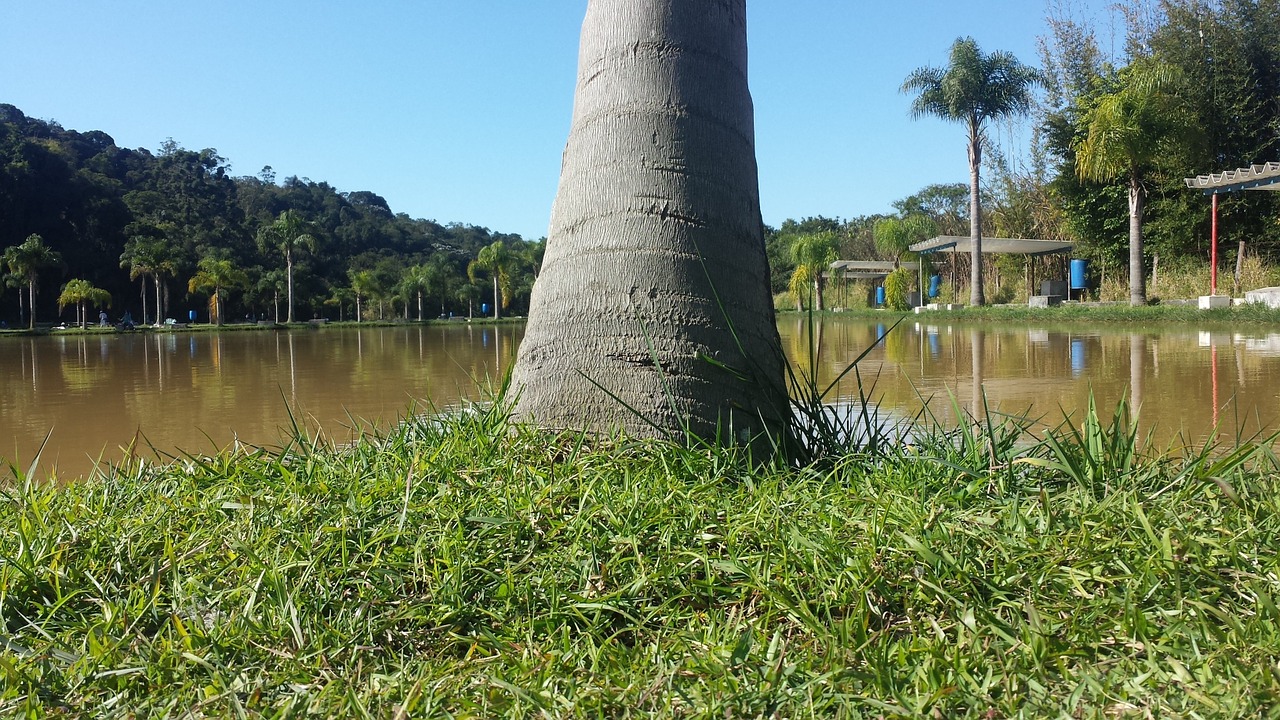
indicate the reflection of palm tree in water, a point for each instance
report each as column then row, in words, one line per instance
column 977, row 345
column 1137, row 372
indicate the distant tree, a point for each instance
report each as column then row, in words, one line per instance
column 813, row 254
column 897, row 289
column 363, row 284
column 947, row 205
column 442, row 277
column 287, row 233
column 145, row 256
column 80, row 292
column 215, row 276
column 1130, row 131
column 469, row 293
column 267, row 286
column 14, row 280
column 339, row 297
column 414, row 283
column 973, row 89
column 27, row 260
column 496, row 260
column 894, row 235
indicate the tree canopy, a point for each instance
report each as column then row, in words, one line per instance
column 118, row 215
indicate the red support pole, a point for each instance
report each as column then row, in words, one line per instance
column 1213, row 249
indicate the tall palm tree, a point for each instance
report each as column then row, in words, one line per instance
column 363, row 284
column 414, row 282
column 813, row 254
column 288, row 232
column 145, row 257
column 1130, row 131
column 973, row 89
column 216, row 275
column 442, row 278
column 80, row 293
column 27, row 260
column 652, row 312
column 497, row 260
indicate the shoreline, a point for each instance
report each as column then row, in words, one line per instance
column 248, row 327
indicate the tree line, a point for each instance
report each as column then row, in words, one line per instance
column 1194, row 90
column 84, row 221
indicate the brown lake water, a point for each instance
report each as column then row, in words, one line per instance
column 179, row 392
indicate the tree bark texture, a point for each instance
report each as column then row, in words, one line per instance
column 976, row 295
column 1137, row 269
column 653, row 305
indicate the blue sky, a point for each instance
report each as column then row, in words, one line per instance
column 457, row 110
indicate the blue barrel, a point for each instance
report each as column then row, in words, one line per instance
column 191, row 315
column 1079, row 274
column 935, row 284
column 880, row 295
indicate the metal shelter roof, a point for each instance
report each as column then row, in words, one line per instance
column 1254, row 177
column 866, row 269
column 1016, row 246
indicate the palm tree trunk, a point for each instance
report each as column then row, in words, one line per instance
column 1137, row 269
column 976, row 296
column 288, row 271
column 496, row 302
column 31, row 304
column 658, row 198
column 143, row 293
column 159, row 305
column 419, row 306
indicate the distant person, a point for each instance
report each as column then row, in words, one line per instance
column 127, row 320
column 102, row 318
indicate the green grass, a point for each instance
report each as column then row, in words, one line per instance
column 467, row 568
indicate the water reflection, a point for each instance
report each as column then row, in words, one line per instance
column 197, row 392
column 1181, row 383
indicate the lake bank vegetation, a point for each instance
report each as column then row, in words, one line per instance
column 465, row 566
column 1221, row 61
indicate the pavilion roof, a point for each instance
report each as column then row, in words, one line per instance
column 1015, row 246
column 1254, row 177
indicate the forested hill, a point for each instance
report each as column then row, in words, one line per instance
column 92, row 202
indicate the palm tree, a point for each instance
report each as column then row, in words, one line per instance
column 415, row 281
column 215, row 275
column 27, row 260
column 145, row 257
column 339, row 297
column 442, row 277
column 813, row 254
column 80, row 293
column 497, row 260
column 1131, row 130
column 289, row 231
column 894, row 236
column 652, row 312
column 363, row 284
column 14, row 280
column 468, row 292
column 973, row 89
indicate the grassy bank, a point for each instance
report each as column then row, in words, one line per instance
column 462, row 567
column 245, row 326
